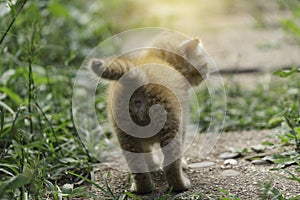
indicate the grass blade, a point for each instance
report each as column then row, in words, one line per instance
column 89, row 181
column 14, row 183
column 105, row 176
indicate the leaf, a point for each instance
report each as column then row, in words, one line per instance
column 223, row 191
column 275, row 121
column 4, row 105
column 290, row 25
column 7, row 75
column 52, row 188
column 283, row 139
column 286, row 72
column 89, row 181
column 71, row 57
column 68, row 160
column 244, row 150
column 13, row 96
column 297, row 129
column 59, row 10
column 14, row 183
column 295, row 197
column 287, row 159
column 81, row 192
column 109, row 192
column 293, row 176
column 12, row 168
column 267, row 143
column 2, row 113
column 122, row 197
column 12, row 7
column 268, row 191
column 129, row 194
column 3, row 171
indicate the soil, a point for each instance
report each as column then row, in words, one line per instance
column 237, row 34
column 208, row 180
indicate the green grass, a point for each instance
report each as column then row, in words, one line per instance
column 38, row 141
column 248, row 108
column 42, row 45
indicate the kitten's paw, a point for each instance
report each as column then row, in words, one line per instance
column 183, row 184
column 141, row 189
column 97, row 65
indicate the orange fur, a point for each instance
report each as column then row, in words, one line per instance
column 167, row 75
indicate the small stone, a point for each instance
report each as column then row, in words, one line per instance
column 260, row 162
column 258, row 148
column 229, row 155
column 230, row 172
column 67, row 188
column 201, row 164
column 230, row 162
column 225, row 167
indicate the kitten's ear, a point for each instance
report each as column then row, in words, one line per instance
column 190, row 47
column 197, row 39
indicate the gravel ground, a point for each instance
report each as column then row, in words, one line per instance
column 242, row 179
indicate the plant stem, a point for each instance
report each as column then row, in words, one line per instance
column 30, row 85
column 10, row 133
column 51, row 127
column 293, row 132
column 12, row 21
column 31, row 51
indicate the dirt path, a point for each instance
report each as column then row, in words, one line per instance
column 239, row 34
column 242, row 178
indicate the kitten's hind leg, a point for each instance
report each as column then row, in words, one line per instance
column 153, row 158
column 142, row 182
column 174, row 174
column 134, row 155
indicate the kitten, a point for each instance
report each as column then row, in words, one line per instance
column 150, row 105
column 187, row 56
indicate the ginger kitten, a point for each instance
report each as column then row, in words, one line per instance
column 150, row 104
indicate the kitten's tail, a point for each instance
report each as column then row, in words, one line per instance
column 115, row 69
column 112, row 69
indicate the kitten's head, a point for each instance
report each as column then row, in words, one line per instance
column 193, row 50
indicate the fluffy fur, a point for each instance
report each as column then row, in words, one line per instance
column 167, row 64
